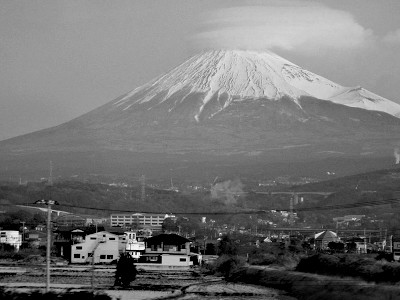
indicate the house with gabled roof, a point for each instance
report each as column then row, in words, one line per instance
column 166, row 251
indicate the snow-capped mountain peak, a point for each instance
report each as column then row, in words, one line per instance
column 235, row 75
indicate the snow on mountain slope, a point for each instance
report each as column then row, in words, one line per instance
column 361, row 98
column 238, row 75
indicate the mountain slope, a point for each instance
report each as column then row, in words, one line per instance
column 227, row 103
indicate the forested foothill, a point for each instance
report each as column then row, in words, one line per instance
column 362, row 194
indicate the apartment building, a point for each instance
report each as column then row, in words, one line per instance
column 143, row 220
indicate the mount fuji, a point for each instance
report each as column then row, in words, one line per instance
column 225, row 106
column 225, row 76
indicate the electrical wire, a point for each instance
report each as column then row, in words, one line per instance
column 243, row 212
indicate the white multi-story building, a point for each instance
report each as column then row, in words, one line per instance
column 144, row 220
column 99, row 247
column 11, row 237
column 135, row 245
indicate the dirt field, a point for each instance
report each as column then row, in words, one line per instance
column 148, row 285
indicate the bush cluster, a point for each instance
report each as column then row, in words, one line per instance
column 277, row 254
column 366, row 268
column 21, row 254
column 225, row 265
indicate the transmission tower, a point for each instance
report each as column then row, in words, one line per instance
column 143, row 184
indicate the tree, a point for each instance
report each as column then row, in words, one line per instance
column 227, row 246
column 169, row 225
column 126, row 271
column 210, row 249
column 336, row 246
column 187, row 226
column 351, row 247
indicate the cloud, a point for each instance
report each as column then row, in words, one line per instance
column 287, row 25
column 392, row 37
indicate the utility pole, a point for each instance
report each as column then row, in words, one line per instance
column 48, row 247
column 23, row 230
column 49, row 203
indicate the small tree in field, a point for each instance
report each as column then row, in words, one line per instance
column 227, row 246
column 126, row 271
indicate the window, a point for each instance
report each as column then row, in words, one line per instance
column 93, row 238
column 109, row 257
column 111, row 239
column 90, row 254
column 77, row 256
column 102, row 257
column 182, row 259
column 78, row 247
column 152, row 258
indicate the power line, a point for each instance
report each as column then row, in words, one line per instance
column 244, row 212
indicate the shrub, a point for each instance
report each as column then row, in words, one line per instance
column 227, row 246
column 226, row 265
column 126, row 270
column 262, row 259
column 319, row 263
column 391, row 272
column 21, row 254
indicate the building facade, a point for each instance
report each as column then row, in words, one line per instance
column 138, row 220
column 166, row 251
column 135, row 245
column 12, row 238
column 99, row 247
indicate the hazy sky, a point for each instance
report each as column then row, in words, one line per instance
column 60, row 59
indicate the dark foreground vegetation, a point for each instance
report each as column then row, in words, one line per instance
column 367, row 268
column 12, row 295
column 312, row 287
column 306, row 274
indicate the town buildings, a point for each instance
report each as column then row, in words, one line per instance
column 12, row 238
column 164, row 251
